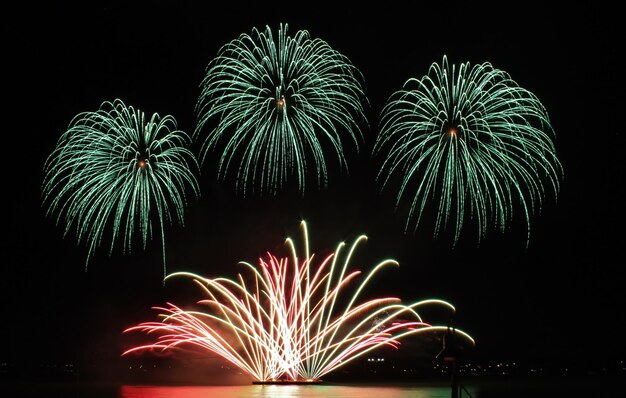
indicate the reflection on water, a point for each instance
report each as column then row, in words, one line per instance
column 569, row 388
column 290, row 391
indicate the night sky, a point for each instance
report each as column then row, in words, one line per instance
column 561, row 297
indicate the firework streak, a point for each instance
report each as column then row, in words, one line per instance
column 278, row 106
column 115, row 171
column 289, row 319
column 467, row 140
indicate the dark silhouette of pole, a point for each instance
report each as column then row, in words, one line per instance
column 454, row 383
column 451, row 360
column 451, row 351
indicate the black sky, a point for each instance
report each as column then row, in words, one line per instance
column 561, row 297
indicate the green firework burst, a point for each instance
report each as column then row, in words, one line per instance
column 114, row 170
column 467, row 140
column 280, row 105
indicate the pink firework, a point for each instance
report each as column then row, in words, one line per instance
column 289, row 320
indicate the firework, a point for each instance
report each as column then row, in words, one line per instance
column 113, row 170
column 289, row 320
column 467, row 140
column 277, row 106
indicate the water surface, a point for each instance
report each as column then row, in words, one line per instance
column 479, row 389
column 284, row 391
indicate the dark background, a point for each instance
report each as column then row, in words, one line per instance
column 562, row 298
